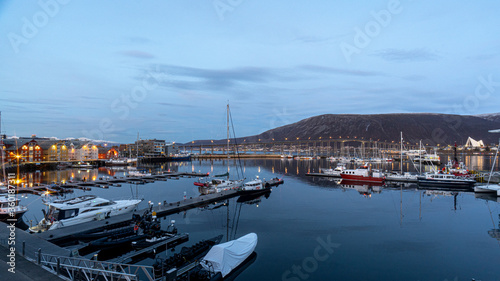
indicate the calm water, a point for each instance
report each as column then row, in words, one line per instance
column 315, row 229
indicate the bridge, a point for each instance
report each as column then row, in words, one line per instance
column 321, row 147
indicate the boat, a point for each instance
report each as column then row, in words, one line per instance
column 10, row 208
column 68, row 212
column 218, row 185
column 185, row 257
column 179, row 157
column 117, row 162
column 82, row 165
column 224, row 258
column 439, row 179
column 155, row 235
column 334, row 172
column 490, row 188
column 274, row 182
column 135, row 173
column 254, row 186
column 405, row 177
column 363, row 174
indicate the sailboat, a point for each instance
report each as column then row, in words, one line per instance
column 402, row 177
column 10, row 210
column 490, row 188
column 218, row 185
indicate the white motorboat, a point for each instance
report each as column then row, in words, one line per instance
column 405, row 177
column 10, row 208
column 334, row 172
column 64, row 213
column 82, row 165
column 218, row 185
column 224, row 258
column 253, row 185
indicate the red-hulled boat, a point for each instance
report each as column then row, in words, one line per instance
column 363, row 174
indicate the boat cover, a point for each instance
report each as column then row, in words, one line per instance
column 225, row 257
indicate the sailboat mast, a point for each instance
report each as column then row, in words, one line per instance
column 1, row 148
column 401, row 155
column 420, row 157
column 494, row 162
column 227, row 150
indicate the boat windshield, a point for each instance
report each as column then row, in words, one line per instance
column 58, row 214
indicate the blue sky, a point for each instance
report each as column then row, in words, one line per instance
column 166, row 69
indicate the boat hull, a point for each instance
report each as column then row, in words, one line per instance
column 360, row 178
column 446, row 184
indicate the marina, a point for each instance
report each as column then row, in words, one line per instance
column 195, row 215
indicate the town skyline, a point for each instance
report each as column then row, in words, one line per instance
column 167, row 70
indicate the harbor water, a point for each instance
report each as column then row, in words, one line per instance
column 314, row 228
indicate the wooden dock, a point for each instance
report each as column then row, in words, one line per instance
column 32, row 243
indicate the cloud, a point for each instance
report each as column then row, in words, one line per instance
column 400, row 55
column 137, row 54
column 333, row 70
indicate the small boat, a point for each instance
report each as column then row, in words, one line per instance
column 274, row 182
column 134, row 173
column 10, row 208
column 405, row 177
column 488, row 188
column 224, row 258
column 445, row 180
column 186, row 256
column 116, row 162
column 363, row 174
column 218, row 185
column 154, row 235
column 82, row 165
column 63, row 213
column 254, row 186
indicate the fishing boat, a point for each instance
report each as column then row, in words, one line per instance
column 438, row 179
column 64, row 213
column 10, row 208
column 363, row 174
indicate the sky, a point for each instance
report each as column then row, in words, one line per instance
column 167, row 69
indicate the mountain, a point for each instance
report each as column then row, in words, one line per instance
column 431, row 128
column 490, row 116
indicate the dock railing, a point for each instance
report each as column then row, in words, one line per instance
column 84, row 269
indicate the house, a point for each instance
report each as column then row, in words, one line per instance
column 86, row 151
